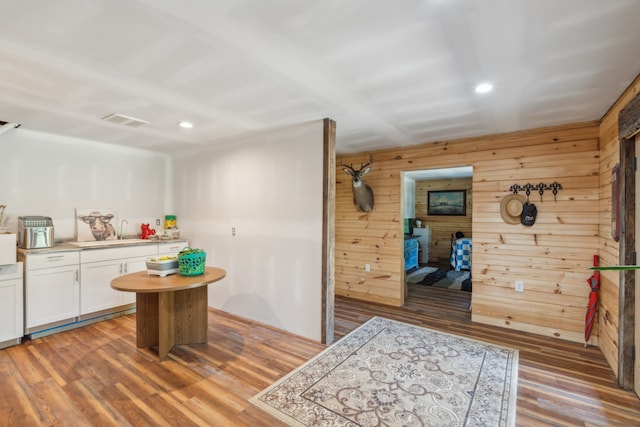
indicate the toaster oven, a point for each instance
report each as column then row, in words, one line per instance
column 35, row 232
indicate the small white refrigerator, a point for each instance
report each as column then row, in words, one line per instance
column 424, row 240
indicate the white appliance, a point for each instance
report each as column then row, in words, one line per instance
column 424, row 240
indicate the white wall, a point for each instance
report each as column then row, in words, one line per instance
column 45, row 174
column 269, row 188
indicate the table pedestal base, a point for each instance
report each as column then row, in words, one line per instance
column 167, row 319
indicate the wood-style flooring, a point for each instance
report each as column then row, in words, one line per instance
column 95, row 375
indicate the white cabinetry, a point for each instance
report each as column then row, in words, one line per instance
column 62, row 286
column 100, row 266
column 52, row 288
column 11, row 304
column 172, row 248
column 96, row 294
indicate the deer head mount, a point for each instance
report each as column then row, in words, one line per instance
column 362, row 193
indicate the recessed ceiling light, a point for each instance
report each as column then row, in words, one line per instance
column 484, row 88
column 185, row 125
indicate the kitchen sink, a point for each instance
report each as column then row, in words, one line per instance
column 100, row 243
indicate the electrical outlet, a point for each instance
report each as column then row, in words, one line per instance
column 367, row 267
column 233, row 231
column 519, row 286
column 157, row 222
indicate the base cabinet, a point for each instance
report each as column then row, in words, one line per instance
column 410, row 253
column 11, row 304
column 52, row 288
column 65, row 286
column 99, row 267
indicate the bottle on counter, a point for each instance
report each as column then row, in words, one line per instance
column 171, row 227
column 170, row 222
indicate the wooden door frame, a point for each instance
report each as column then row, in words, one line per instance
column 628, row 127
column 636, row 304
column 328, row 230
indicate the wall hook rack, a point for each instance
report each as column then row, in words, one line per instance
column 540, row 188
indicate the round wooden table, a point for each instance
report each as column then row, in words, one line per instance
column 170, row 310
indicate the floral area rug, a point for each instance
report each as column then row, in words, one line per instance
column 388, row 373
column 440, row 278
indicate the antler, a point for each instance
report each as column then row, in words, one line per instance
column 362, row 165
column 368, row 164
column 347, row 166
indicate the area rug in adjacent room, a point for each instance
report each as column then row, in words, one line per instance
column 388, row 373
column 441, row 278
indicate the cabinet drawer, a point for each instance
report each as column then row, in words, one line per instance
column 172, row 248
column 410, row 244
column 410, row 261
column 51, row 259
column 11, row 271
column 95, row 255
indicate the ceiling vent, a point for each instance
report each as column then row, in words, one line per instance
column 7, row 126
column 121, row 119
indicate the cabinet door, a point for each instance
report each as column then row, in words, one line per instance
column 10, row 309
column 97, row 293
column 132, row 265
column 101, row 266
column 51, row 294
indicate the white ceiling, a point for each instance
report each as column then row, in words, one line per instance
column 390, row 73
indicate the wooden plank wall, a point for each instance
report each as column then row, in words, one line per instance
column 551, row 258
column 443, row 226
column 608, row 311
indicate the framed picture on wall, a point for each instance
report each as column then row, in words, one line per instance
column 447, row 202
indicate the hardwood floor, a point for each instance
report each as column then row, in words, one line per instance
column 95, row 375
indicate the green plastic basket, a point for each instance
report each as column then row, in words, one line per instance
column 192, row 264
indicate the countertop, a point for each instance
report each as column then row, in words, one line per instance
column 68, row 246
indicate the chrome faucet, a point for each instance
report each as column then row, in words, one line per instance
column 121, row 232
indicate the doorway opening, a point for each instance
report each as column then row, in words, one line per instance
column 437, row 206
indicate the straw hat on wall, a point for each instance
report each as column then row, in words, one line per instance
column 511, row 208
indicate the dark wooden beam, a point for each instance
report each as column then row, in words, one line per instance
column 626, row 323
column 628, row 127
column 629, row 119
